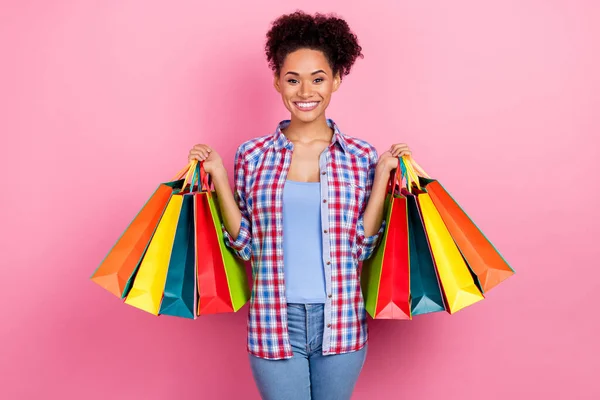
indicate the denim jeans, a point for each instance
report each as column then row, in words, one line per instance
column 308, row 374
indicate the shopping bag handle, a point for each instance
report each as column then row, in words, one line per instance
column 419, row 170
column 408, row 170
column 201, row 178
column 409, row 173
column 395, row 179
column 185, row 170
column 189, row 176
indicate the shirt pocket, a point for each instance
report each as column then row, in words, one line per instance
column 352, row 198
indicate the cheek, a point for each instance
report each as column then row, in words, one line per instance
column 287, row 91
column 325, row 90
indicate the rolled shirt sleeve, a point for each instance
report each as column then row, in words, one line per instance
column 367, row 244
column 242, row 245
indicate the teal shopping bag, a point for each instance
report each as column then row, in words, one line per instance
column 425, row 288
column 180, row 297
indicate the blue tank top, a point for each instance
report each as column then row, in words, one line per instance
column 302, row 243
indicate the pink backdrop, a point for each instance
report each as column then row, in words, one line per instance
column 100, row 101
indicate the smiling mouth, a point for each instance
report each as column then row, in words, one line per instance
column 306, row 105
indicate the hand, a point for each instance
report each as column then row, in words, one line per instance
column 212, row 160
column 388, row 160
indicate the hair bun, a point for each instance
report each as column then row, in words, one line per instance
column 325, row 32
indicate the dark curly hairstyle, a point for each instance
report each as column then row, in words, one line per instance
column 326, row 33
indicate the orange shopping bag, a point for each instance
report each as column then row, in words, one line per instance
column 483, row 258
column 117, row 270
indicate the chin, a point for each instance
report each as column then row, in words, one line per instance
column 307, row 117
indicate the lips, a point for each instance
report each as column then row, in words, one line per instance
column 306, row 105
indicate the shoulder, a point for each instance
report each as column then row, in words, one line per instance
column 360, row 147
column 251, row 149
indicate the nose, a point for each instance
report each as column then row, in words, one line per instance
column 305, row 91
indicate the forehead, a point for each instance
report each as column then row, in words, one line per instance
column 305, row 61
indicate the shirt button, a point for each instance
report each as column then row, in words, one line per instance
column 328, row 262
column 329, row 325
column 324, row 200
column 323, row 173
column 325, row 231
column 329, row 295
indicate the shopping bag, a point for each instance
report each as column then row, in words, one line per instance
column 148, row 286
column 425, row 292
column 147, row 289
column 180, row 296
column 483, row 258
column 116, row 271
column 221, row 276
column 385, row 276
column 458, row 284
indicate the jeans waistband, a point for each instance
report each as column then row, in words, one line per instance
column 307, row 307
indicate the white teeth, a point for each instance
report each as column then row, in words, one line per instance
column 307, row 105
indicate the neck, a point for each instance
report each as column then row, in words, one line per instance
column 308, row 131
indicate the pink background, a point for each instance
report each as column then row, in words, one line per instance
column 100, row 101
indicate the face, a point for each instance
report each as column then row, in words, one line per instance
column 306, row 83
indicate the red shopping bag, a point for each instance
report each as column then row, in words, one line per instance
column 385, row 277
column 221, row 276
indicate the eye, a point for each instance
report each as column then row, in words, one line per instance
column 292, row 81
column 319, row 79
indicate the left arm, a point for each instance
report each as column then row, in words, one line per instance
column 374, row 212
column 371, row 224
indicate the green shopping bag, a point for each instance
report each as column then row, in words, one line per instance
column 221, row 276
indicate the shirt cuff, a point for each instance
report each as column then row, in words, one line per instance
column 242, row 240
column 369, row 241
column 367, row 244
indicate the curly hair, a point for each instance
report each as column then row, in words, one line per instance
column 324, row 32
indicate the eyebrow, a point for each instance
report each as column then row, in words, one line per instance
column 314, row 73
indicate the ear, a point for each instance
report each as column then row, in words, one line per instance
column 337, row 81
column 276, row 84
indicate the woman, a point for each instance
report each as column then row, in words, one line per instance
column 307, row 207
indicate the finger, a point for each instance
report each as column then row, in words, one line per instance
column 198, row 155
column 396, row 145
column 400, row 146
column 397, row 152
column 200, row 152
column 403, row 149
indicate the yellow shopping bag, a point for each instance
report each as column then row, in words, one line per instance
column 456, row 279
column 149, row 284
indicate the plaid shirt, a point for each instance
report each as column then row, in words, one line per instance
column 347, row 169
